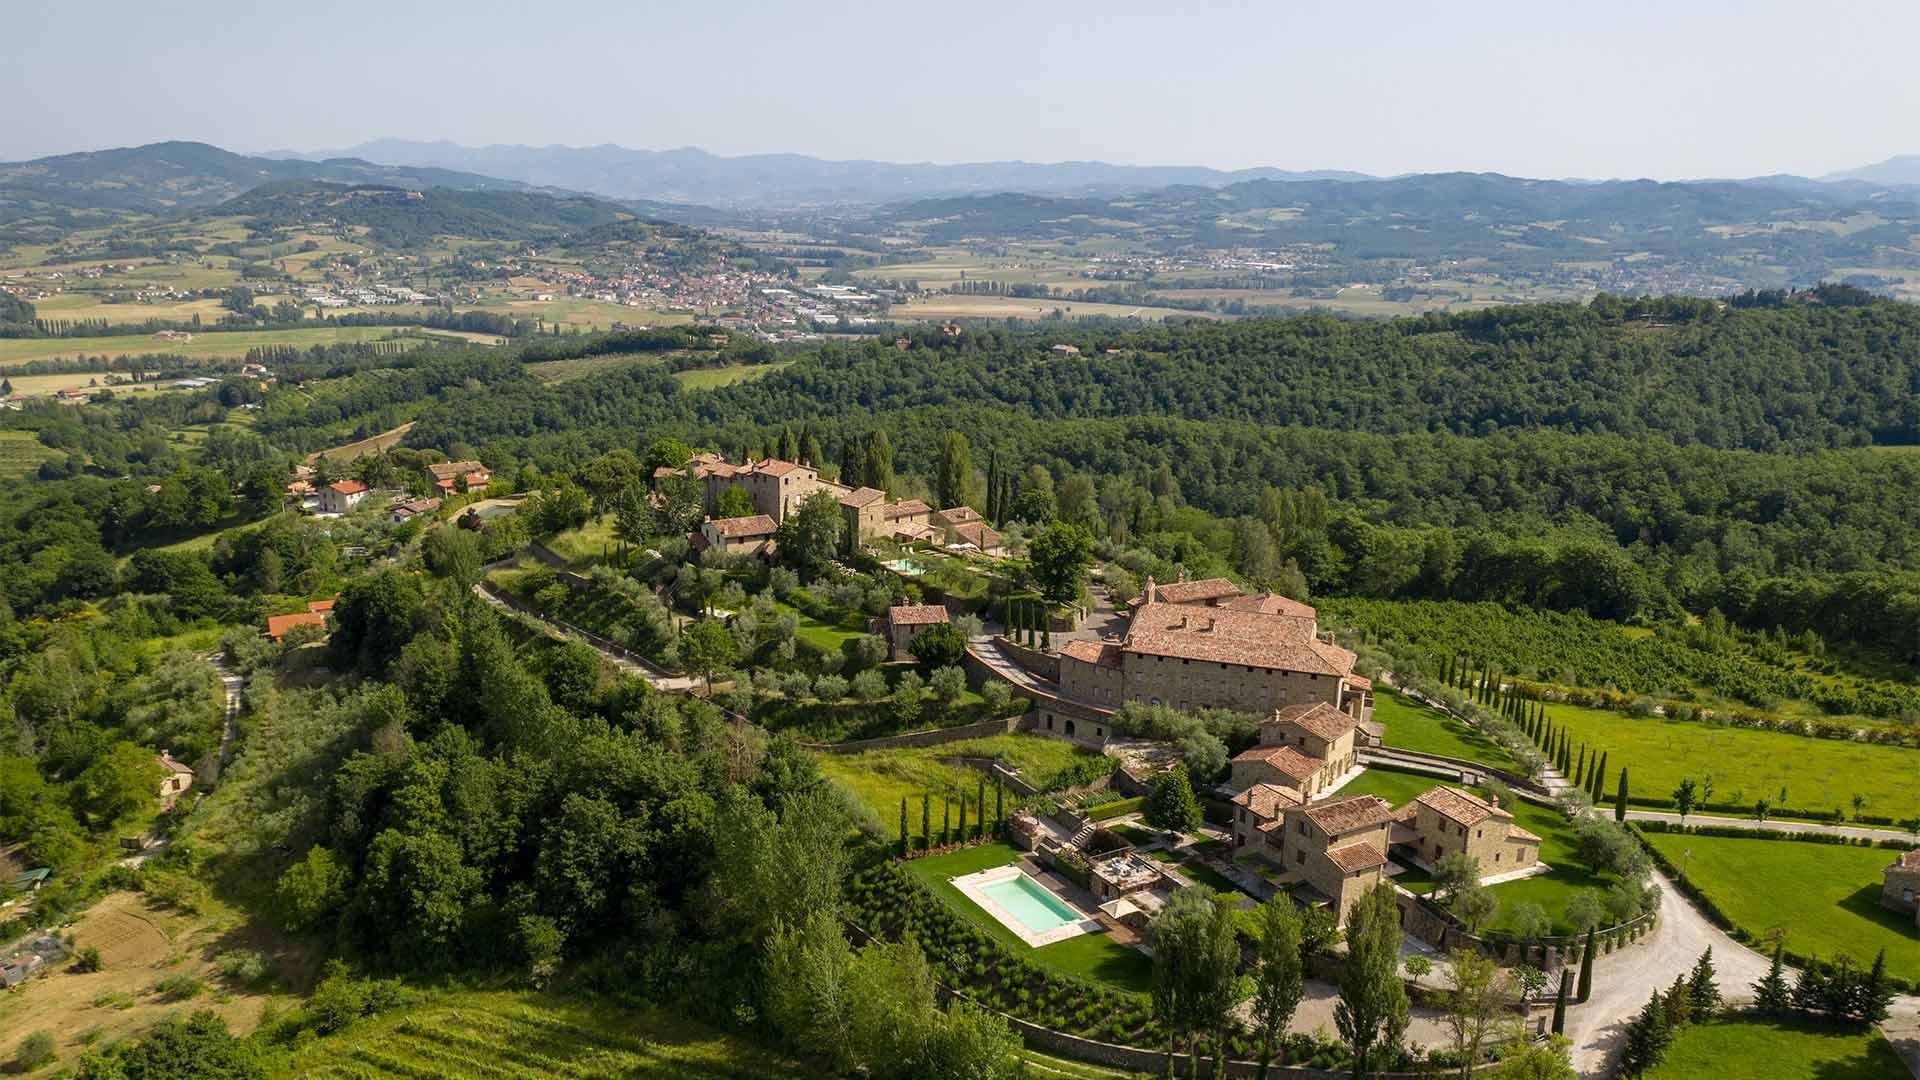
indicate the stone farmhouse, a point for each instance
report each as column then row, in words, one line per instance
column 1900, row 884
column 446, row 477
column 1209, row 645
column 1337, row 845
column 777, row 489
column 1307, row 748
column 739, row 536
column 903, row 621
column 1448, row 821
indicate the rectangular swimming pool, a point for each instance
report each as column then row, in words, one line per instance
column 1028, row 901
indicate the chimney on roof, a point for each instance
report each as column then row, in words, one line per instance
column 1183, row 622
column 1493, row 800
column 1183, row 571
column 1151, row 589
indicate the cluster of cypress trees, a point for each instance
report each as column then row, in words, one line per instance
column 1028, row 615
column 950, row 832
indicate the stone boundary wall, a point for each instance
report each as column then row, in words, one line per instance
column 1045, row 665
column 935, row 737
column 1433, row 926
column 994, row 767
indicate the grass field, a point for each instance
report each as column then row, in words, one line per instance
column 579, row 367
column 1093, row 956
column 881, row 778
column 1743, row 1047
column 1413, row 726
column 1009, row 307
column 21, row 454
column 586, row 545
column 506, row 1036
column 88, row 306
column 1825, row 896
column 714, row 378
column 39, row 385
column 223, row 344
column 354, row 451
column 1744, row 764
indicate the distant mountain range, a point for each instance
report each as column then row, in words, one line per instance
column 790, row 181
column 1904, row 169
column 191, row 175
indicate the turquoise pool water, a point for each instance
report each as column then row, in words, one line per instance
column 905, row 566
column 1026, row 900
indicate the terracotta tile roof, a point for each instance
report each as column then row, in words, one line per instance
column 1318, row 719
column 735, row 528
column 908, row 508
column 1461, row 807
column 172, row 766
column 1352, row 858
column 667, row 470
column 716, row 468
column 773, row 467
column 1269, row 604
column 1285, row 760
column 278, row 625
column 1515, row 832
column 860, row 497
column 447, row 470
column 1193, row 592
column 1346, row 813
column 957, row 515
column 910, row 533
column 1267, row 800
column 917, row 614
column 979, row 534
column 1908, row 860
column 1247, row 638
column 1104, row 653
column 320, row 605
column 1359, row 682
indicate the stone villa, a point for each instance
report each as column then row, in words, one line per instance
column 1337, row 845
column 1307, row 748
column 1900, row 884
column 777, row 489
column 1201, row 644
column 1449, row 821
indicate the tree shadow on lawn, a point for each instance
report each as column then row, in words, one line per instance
column 1865, row 903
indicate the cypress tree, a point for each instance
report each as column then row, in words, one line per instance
column 946, row 820
column 1586, row 968
column 926, row 821
column 980, row 807
column 904, row 839
column 999, row 806
column 1560, row 1002
column 1579, row 776
column 960, row 834
column 1620, row 798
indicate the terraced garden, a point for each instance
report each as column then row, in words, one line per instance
column 1413, row 726
column 503, row 1036
column 21, row 454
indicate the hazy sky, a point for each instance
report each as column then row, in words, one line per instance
column 1679, row 88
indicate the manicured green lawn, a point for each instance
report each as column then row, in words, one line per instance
column 1742, row 1047
column 1744, row 764
column 1093, row 956
column 1398, row 788
column 1826, row 896
column 586, row 545
column 825, row 636
column 1413, row 726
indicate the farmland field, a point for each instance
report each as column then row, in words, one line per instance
column 947, row 306
column 21, row 454
column 1094, row 956
column 715, row 378
column 230, row 343
column 1745, row 764
column 558, row 371
column 86, row 306
column 354, row 451
column 502, row 1036
column 881, row 778
column 1826, row 896
column 1746, row 1047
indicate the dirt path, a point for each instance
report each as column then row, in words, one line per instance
column 659, row 679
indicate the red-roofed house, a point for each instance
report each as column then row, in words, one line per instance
column 278, row 625
column 743, row 535
column 342, row 496
column 903, row 621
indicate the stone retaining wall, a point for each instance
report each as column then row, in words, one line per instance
column 935, row 737
column 1044, row 664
